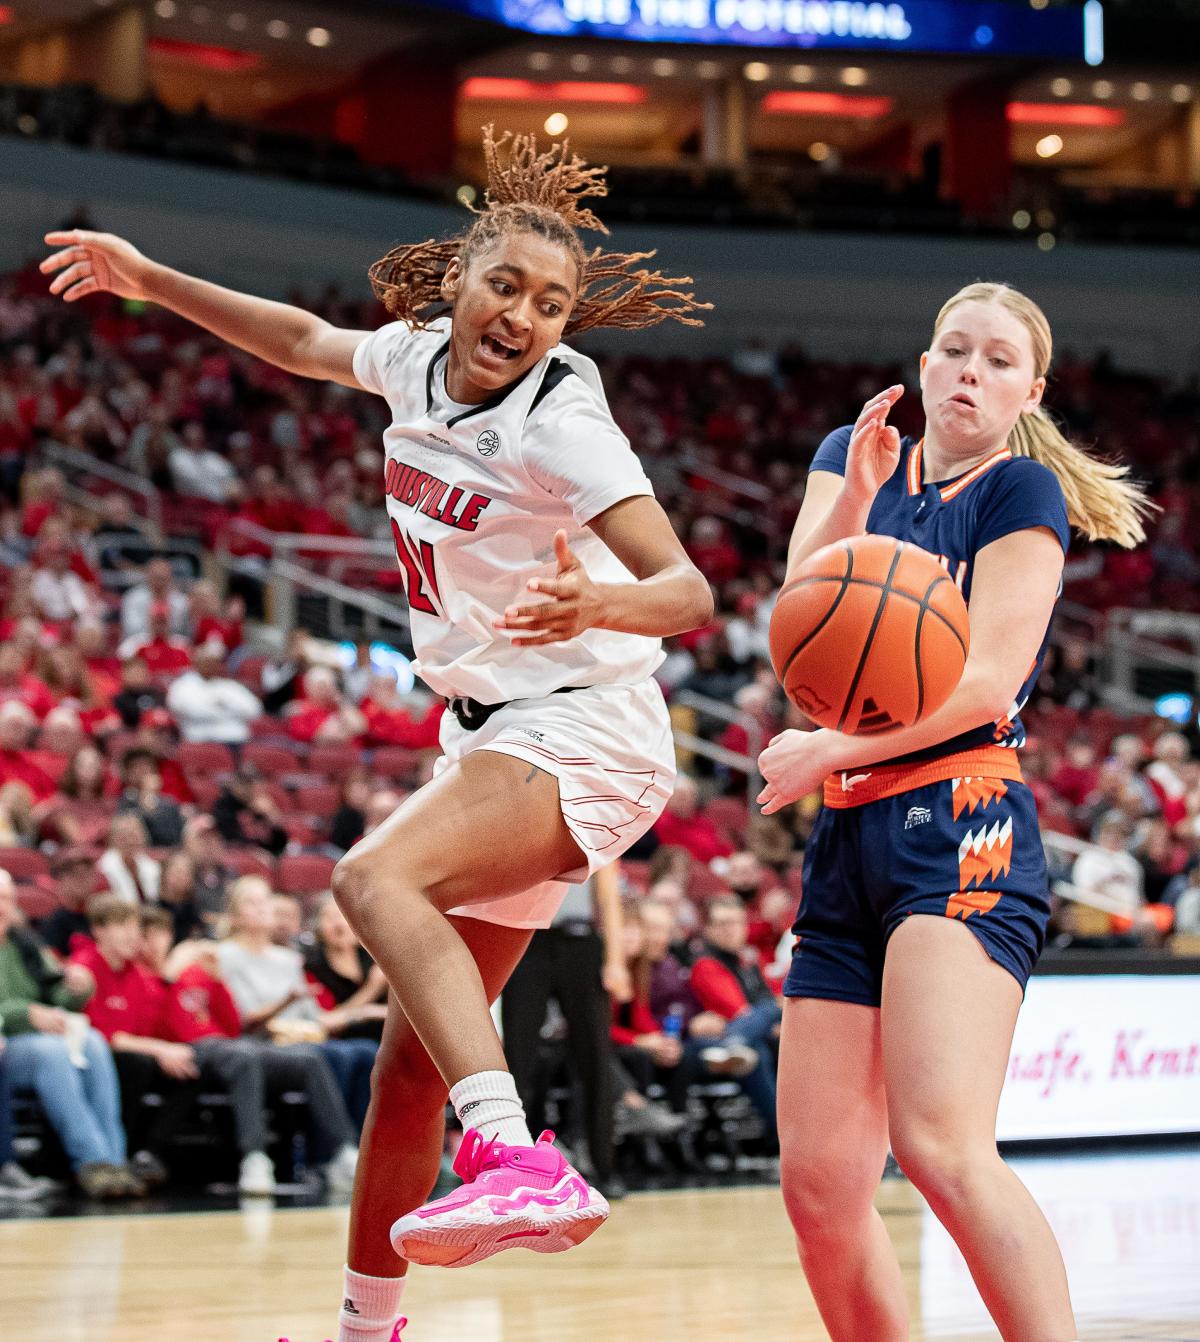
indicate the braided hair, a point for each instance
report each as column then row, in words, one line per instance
column 544, row 194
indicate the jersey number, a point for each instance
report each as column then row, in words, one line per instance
column 416, row 558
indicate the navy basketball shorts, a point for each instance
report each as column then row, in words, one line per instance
column 965, row 848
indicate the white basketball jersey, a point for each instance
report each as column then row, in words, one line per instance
column 475, row 494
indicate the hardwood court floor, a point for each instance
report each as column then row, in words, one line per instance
column 712, row 1266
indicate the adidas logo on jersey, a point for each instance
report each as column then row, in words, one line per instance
column 917, row 815
column 488, row 443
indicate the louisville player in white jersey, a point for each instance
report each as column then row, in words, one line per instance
column 541, row 575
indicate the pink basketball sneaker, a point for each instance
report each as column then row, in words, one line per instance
column 512, row 1197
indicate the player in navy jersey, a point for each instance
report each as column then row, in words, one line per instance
column 925, row 897
column 541, row 577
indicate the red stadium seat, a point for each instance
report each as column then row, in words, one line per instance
column 206, row 791
column 249, row 670
column 272, row 731
column 204, row 757
column 704, row 883
column 303, row 874
column 270, row 760
column 394, row 762
column 321, row 801
column 35, row 902
column 730, row 817
column 23, row 864
column 248, row 862
column 333, row 761
column 301, row 831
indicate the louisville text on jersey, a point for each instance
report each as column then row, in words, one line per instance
column 425, row 493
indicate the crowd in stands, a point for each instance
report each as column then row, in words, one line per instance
column 175, row 785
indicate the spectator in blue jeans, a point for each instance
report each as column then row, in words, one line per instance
column 67, row 1064
column 726, row 1015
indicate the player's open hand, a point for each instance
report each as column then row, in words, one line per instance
column 793, row 765
column 874, row 451
column 95, row 263
column 574, row 603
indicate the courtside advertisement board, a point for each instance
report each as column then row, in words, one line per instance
column 1107, row 1055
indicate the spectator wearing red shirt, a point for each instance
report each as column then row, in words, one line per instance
column 155, row 733
column 166, row 655
column 681, row 824
column 390, row 722
column 212, row 621
column 727, row 981
column 16, row 683
column 44, row 499
column 1167, row 775
column 1078, row 774
column 323, row 715
column 17, row 762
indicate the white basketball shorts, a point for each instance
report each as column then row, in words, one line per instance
column 611, row 749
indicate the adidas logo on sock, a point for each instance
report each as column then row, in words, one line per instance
column 466, row 1109
column 348, row 1306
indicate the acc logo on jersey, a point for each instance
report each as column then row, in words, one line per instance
column 488, row 443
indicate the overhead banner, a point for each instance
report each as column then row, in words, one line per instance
column 1106, row 1055
column 962, row 27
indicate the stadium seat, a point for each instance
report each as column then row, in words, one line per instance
column 35, row 902
column 204, row 758
column 395, row 763
column 23, row 864
column 270, row 760
column 321, row 801
column 333, row 761
column 251, row 862
column 730, row 817
column 303, row 874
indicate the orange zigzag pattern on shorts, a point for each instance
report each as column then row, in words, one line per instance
column 985, row 854
column 966, row 902
column 969, row 793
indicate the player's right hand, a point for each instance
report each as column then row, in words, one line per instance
column 95, row 263
column 874, row 451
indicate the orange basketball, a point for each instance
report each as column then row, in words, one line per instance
column 870, row 634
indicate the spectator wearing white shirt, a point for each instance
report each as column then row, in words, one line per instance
column 60, row 593
column 158, row 587
column 210, row 706
column 129, row 870
column 196, row 470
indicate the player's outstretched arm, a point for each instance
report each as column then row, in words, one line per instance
column 292, row 339
column 1013, row 591
column 836, row 506
column 670, row 595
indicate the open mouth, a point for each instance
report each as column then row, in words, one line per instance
column 499, row 348
column 962, row 399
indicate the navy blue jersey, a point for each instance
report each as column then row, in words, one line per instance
column 954, row 520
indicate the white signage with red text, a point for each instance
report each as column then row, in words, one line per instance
column 1103, row 1056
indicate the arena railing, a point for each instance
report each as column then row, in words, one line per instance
column 731, row 759
column 78, row 466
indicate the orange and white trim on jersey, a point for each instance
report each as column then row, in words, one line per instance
column 915, row 466
column 857, row 787
column 952, row 491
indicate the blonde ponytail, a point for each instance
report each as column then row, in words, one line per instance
column 1102, row 501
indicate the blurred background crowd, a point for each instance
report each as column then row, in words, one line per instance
column 180, row 765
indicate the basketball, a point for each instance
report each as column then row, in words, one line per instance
column 870, row 634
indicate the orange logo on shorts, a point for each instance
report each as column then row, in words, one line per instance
column 985, row 854
column 966, row 902
column 969, row 793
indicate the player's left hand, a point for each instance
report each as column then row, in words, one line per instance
column 575, row 603
column 794, row 764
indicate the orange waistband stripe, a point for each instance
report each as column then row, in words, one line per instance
column 857, row 787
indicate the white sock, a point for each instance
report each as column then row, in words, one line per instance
column 488, row 1102
column 370, row 1307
